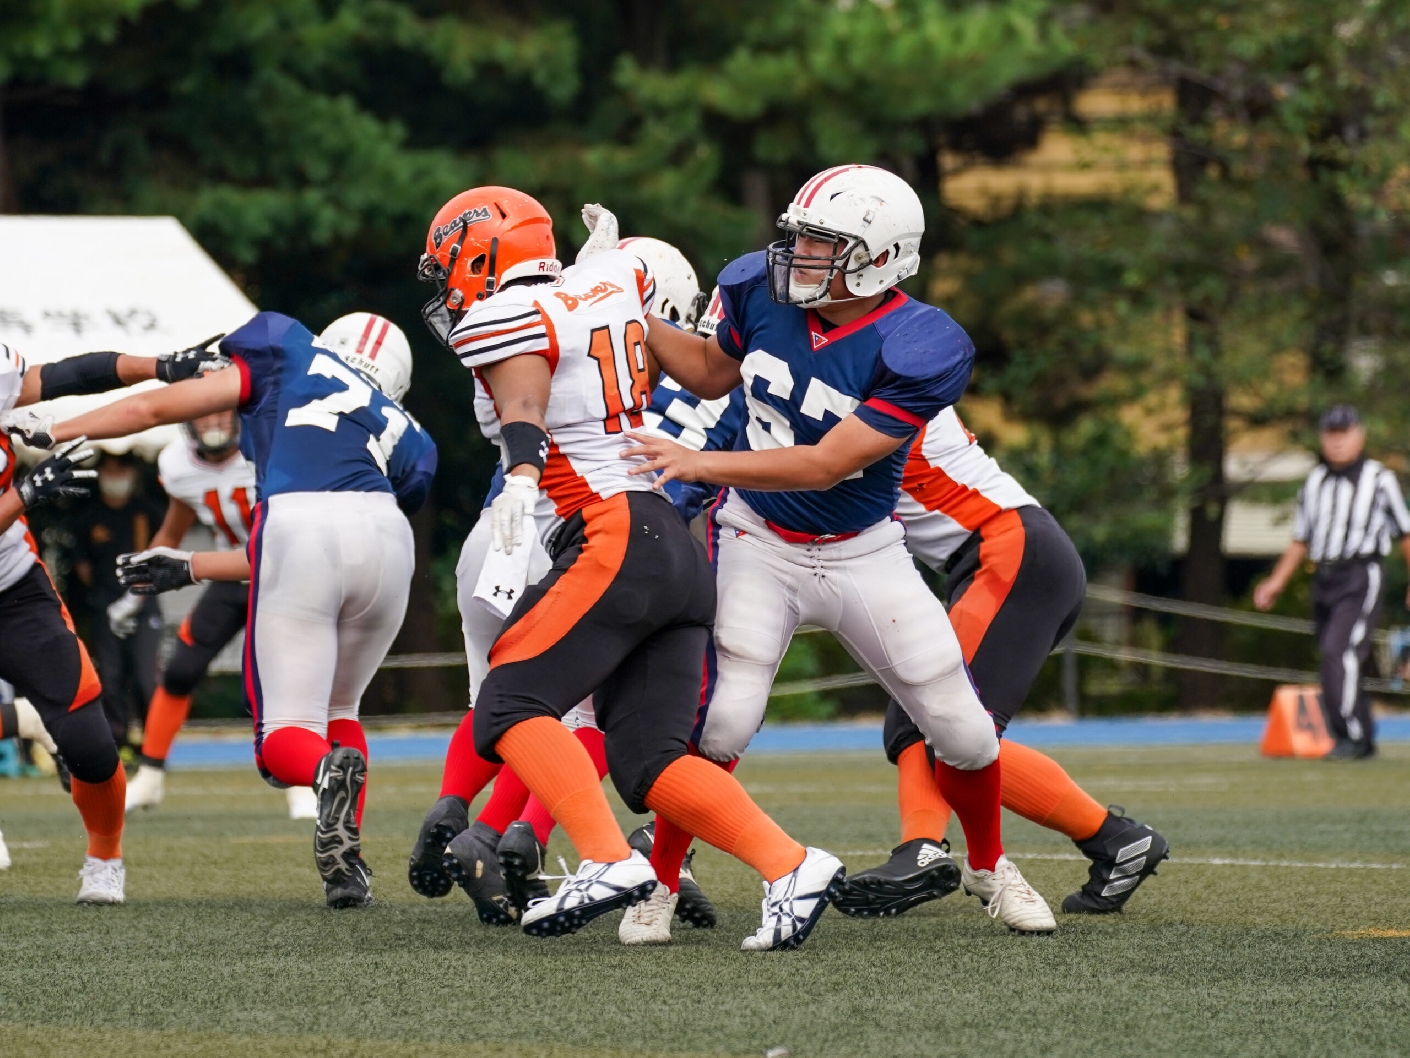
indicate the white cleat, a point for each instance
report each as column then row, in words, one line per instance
column 303, row 802
column 103, row 881
column 147, row 788
column 4, row 855
column 1007, row 897
column 649, row 922
column 595, row 889
column 794, row 903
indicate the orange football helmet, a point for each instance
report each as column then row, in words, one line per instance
column 478, row 241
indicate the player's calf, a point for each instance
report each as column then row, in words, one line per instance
column 1124, row 853
column 919, row 870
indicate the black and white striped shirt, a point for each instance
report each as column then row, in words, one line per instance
column 1351, row 513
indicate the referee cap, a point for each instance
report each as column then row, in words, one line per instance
column 1339, row 417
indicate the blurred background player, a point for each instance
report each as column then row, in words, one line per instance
column 337, row 463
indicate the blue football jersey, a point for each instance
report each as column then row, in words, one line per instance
column 705, row 425
column 896, row 368
column 309, row 422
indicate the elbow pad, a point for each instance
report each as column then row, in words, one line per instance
column 78, row 375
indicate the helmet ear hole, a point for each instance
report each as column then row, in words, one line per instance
column 477, row 266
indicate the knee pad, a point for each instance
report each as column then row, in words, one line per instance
column 971, row 747
column 635, row 768
column 899, row 733
column 497, row 710
column 85, row 742
column 184, row 670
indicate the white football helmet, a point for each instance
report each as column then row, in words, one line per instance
column 868, row 214
column 677, row 290
column 375, row 346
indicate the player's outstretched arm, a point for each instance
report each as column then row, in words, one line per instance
column 105, row 371
column 178, row 521
column 848, row 447
column 163, row 569
column 698, row 364
column 177, row 403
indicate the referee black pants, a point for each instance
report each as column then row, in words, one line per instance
column 1346, row 606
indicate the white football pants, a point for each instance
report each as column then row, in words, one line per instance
column 332, row 574
column 868, row 593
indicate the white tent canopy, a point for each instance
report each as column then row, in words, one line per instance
column 138, row 285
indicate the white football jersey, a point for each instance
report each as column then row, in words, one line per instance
column 221, row 494
column 590, row 325
column 17, row 547
column 951, row 487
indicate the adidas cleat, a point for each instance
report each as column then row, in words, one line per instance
column 353, row 888
column 471, row 861
column 337, row 843
column 425, row 871
column 593, row 890
column 1008, row 897
column 693, row 907
column 794, row 903
column 521, row 865
column 649, row 922
column 101, row 881
column 1124, row 853
column 147, row 788
column 918, row 870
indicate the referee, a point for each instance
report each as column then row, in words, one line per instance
column 1347, row 511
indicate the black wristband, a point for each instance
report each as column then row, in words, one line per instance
column 77, row 375
column 524, row 443
column 9, row 721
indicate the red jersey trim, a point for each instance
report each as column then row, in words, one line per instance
column 821, row 338
column 887, row 408
column 244, row 370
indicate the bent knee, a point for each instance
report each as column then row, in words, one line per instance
column 973, row 747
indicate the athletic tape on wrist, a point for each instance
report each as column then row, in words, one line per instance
column 524, row 443
column 79, row 375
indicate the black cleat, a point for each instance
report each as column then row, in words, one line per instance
column 1350, row 749
column 521, row 864
column 427, row 875
column 1124, row 853
column 337, row 844
column 693, row 907
column 918, row 871
column 471, row 860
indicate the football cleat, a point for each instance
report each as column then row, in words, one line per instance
column 918, row 870
column 1124, row 853
column 593, row 890
column 101, row 881
column 302, row 802
column 353, row 888
column 794, row 903
column 470, row 859
column 649, row 922
column 1007, row 897
column 337, row 843
column 693, row 907
column 521, row 864
column 147, row 788
column 425, row 871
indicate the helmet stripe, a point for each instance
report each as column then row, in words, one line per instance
column 366, row 333
column 825, row 177
column 381, row 337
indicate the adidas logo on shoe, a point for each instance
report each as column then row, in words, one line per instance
column 928, row 854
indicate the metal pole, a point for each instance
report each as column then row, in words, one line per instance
column 1070, row 692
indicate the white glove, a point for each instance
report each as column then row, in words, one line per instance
column 122, row 614
column 602, row 231
column 509, row 509
column 29, row 427
column 31, row 727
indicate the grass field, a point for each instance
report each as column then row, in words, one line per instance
column 224, row 947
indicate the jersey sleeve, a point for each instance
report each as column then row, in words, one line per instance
column 491, row 332
column 1301, row 528
column 734, row 285
column 1395, row 501
column 705, row 425
column 924, row 368
column 412, row 467
column 257, row 352
column 12, row 369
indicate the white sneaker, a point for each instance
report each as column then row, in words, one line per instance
column 147, row 788
column 1007, row 897
column 4, row 855
column 103, row 881
column 794, row 903
column 595, row 889
column 649, row 922
column 303, row 802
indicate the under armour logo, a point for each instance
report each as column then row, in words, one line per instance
column 928, row 854
column 508, row 593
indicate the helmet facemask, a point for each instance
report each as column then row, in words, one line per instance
column 786, row 287
column 444, row 311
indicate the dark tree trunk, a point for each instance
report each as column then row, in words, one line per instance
column 1333, row 232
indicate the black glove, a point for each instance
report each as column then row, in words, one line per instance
column 154, row 571
column 197, row 360
column 56, row 476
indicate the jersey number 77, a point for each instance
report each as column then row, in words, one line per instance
column 323, row 412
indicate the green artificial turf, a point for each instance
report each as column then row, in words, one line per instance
column 224, row 947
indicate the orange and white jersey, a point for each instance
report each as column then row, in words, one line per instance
column 221, row 494
column 17, row 548
column 951, row 487
column 590, row 325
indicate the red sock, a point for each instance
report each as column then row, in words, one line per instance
column 974, row 795
column 466, row 772
column 671, row 844
column 291, row 755
column 507, row 800
column 535, row 814
column 349, row 733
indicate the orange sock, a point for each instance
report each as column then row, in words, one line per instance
column 1035, row 786
column 101, row 806
column 924, row 813
column 165, row 715
column 701, row 797
column 557, row 769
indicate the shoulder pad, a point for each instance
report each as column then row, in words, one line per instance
column 921, row 341
column 751, row 268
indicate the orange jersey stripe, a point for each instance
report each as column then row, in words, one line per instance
column 608, row 529
column 1000, row 555
column 935, row 490
column 568, row 489
column 89, row 686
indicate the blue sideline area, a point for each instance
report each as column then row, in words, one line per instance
column 197, row 752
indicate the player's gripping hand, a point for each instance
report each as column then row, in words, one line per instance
column 510, row 508
column 156, row 570
column 670, row 461
column 188, row 363
column 29, row 427
column 56, row 476
column 122, row 614
column 602, row 231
